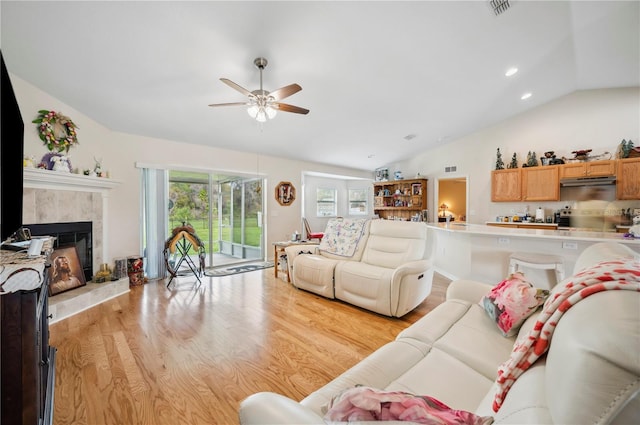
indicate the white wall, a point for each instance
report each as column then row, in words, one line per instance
column 120, row 152
column 312, row 183
column 590, row 119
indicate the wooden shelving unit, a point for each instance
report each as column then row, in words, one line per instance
column 400, row 199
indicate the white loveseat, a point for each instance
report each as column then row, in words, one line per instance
column 590, row 374
column 380, row 265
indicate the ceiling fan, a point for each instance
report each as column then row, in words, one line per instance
column 262, row 104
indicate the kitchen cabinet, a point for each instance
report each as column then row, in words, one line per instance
column 541, row 183
column 588, row 169
column 628, row 179
column 506, row 185
column 400, row 199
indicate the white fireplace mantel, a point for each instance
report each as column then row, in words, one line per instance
column 37, row 178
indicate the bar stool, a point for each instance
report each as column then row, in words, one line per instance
column 537, row 261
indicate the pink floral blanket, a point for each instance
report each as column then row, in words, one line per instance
column 621, row 274
column 369, row 404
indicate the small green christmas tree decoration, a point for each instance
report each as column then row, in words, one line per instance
column 514, row 161
column 625, row 148
column 532, row 161
column 499, row 162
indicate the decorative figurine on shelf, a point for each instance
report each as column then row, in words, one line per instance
column 499, row 162
column 97, row 169
column 398, row 175
column 582, row 155
column 61, row 163
column 29, row 162
column 532, row 161
column 625, row 148
column 551, row 159
column 514, row 161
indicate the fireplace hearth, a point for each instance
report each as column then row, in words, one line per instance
column 78, row 234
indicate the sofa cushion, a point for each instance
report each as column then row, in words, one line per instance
column 314, row 273
column 511, row 301
column 342, row 238
column 393, row 243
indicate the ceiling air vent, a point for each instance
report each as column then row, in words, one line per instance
column 499, row 6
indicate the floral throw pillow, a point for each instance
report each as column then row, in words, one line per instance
column 511, row 301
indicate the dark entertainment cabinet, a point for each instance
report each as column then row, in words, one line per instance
column 27, row 360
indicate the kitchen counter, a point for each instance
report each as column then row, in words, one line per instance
column 513, row 231
column 523, row 225
column 481, row 252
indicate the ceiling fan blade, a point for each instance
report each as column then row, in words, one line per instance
column 290, row 108
column 228, row 104
column 286, row 91
column 237, row 87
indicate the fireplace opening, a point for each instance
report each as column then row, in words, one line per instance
column 78, row 234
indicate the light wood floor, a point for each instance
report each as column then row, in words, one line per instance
column 189, row 356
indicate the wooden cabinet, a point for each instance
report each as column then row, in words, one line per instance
column 28, row 362
column 588, row 169
column 628, row 179
column 506, row 185
column 541, row 183
column 400, row 199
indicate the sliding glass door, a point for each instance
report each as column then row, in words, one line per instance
column 225, row 211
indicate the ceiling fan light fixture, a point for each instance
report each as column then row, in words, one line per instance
column 252, row 110
column 264, row 105
column 261, row 116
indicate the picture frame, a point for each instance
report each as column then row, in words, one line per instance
column 382, row 174
column 416, row 189
column 66, row 271
column 285, row 193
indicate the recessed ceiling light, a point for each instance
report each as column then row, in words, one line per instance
column 511, row 71
column 525, row 96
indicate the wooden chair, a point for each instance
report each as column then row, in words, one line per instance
column 310, row 234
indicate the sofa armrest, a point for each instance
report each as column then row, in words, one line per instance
column 467, row 290
column 271, row 408
column 412, row 267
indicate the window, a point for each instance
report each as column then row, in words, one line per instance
column 357, row 201
column 326, row 202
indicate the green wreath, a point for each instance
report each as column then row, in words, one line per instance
column 57, row 131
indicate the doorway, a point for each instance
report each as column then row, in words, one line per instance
column 225, row 211
column 452, row 199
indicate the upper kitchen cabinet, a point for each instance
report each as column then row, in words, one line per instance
column 588, row 169
column 628, row 179
column 541, row 183
column 506, row 185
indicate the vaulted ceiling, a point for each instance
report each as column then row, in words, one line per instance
column 383, row 80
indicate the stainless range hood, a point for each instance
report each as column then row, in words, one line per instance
column 588, row 181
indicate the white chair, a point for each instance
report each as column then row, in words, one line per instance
column 537, row 261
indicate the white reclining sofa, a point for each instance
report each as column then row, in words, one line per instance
column 590, row 373
column 381, row 265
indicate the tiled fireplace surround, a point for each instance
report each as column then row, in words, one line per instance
column 54, row 197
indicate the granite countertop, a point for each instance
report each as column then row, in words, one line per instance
column 484, row 230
